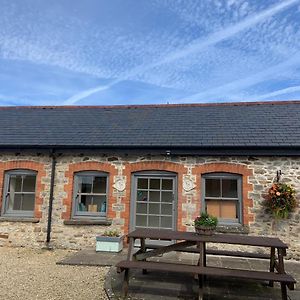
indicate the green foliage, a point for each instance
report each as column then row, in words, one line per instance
column 112, row 233
column 206, row 220
column 280, row 200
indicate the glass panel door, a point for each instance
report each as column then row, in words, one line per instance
column 154, row 202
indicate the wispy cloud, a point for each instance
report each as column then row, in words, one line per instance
column 108, row 53
column 280, row 92
column 224, row 90
column 223, row 34
column 86, row 93
column 194, row 47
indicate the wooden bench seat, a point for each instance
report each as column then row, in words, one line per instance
column 219, row 252
column 284, row 279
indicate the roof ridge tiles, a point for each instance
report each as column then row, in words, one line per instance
column 133, row 106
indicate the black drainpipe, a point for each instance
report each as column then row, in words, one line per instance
column 52, row 155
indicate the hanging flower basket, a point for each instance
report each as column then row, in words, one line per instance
column 280, row 200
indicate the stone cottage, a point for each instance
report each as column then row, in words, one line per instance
column 69, row 173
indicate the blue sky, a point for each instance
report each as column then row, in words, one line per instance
column 106, row 52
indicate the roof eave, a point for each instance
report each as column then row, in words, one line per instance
column 222, row 150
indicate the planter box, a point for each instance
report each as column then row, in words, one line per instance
column 205, row 230
column 109, row 243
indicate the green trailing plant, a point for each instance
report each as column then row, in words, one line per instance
column 280, row 200
column 111, row 233
column 205, row 220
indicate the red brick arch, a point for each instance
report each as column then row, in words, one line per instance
column 239, row 169
column 131, row 168
column 25, row 165
column 87, row 166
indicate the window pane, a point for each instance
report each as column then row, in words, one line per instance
column 212, row 187
column 81, row 206
column 15, row 183
column 166, row 196
column 99, row 185
column 229, row 188
column 167, row 184
column 142, row 183
column 141, row 220
column 142, row 196
column 99, row 204
column 9, row 201
column 229, row 210
column 141, row 208
column 213, row 207
column 153, row 221
column 28, row 202
column 166, row 209
column 154, row 184
column 154, row 196
column 225, row 209
column 154, row 208
column 86, row 184
column 84, row 203
column 166, row 222
column 29, row 183
column 15, row 202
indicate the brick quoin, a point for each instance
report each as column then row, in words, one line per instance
column 229, row 168
column 25, row 165
column 131, row 168
column 88, row 166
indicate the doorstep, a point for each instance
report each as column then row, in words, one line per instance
column 89, row 257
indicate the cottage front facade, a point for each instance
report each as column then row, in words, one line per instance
column 68, row 174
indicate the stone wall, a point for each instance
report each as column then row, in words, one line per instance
column 22, row 232
column 257, row 172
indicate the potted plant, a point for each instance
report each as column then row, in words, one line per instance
column 280, row 200
column 110, row 241
column 205, row 224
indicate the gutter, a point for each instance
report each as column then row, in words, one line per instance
column 219, row 150
column 53, row 167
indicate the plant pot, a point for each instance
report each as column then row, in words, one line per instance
column 205, row 230
column 109, row 243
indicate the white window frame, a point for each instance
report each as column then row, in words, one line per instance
column 17, row 213
column 239, row 198
column 89, row 215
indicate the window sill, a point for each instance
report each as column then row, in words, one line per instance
column 19, row 219
column 234, row 228
column 105, row 222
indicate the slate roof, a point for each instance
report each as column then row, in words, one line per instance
column 264, row 124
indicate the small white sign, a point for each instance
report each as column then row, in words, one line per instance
column 188, row 184
column 119, row 185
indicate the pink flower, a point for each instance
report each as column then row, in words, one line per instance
column 277, row 194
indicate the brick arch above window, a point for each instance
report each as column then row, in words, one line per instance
column 155, row 166
column 231, row 168
column 30, row 166
column 83, row 167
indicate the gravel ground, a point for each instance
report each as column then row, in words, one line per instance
column 33, row 274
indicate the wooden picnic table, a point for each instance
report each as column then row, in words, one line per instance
column 192, row 242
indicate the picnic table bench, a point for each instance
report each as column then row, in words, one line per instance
column 191, row 242
column 217, row 252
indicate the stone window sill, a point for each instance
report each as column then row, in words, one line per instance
column 19, row 219
column 105, row 222
column 238, row 228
